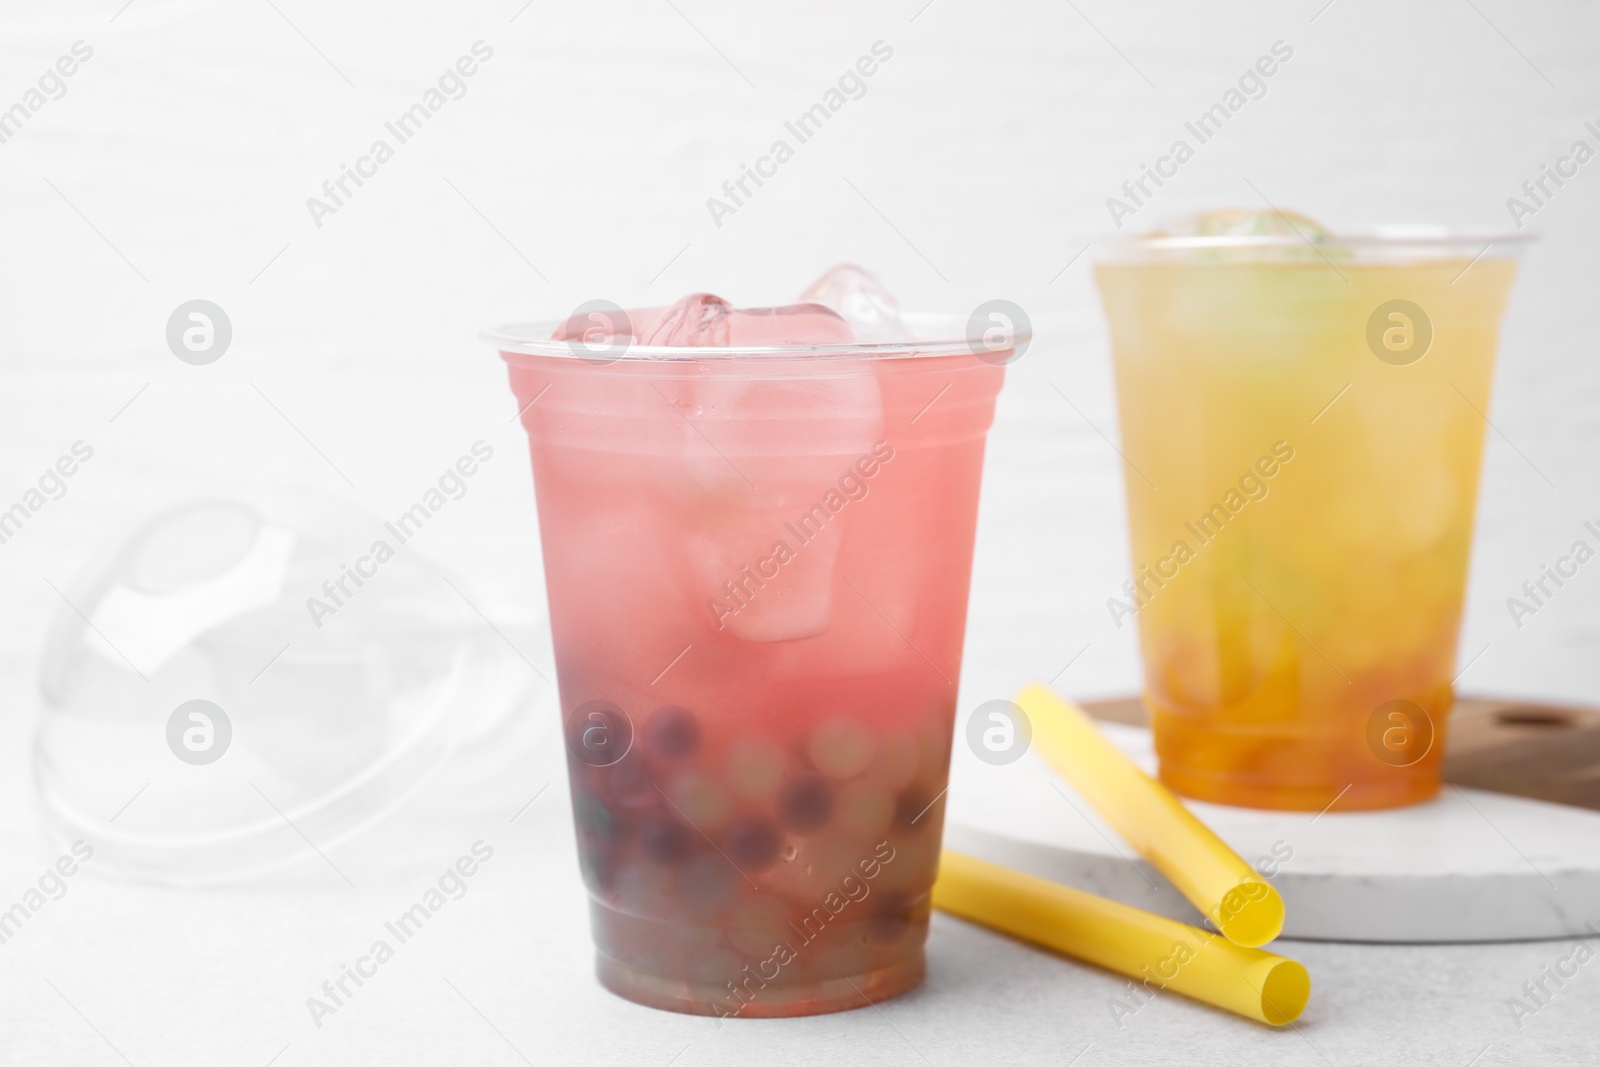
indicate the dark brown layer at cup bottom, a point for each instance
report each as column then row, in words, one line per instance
column 773, row 1001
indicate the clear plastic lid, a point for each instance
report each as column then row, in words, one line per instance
column 201, row 726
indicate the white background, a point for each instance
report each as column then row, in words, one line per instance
column 577, row 166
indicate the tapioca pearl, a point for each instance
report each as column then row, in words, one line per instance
column 666, row 841
column 805, row 804
column 839, row 858
column 672, row 733
column 627, row 784
column 758, row 924
column 752, row 843
column 841, row 747
column 865, row 809
column 887, row 929
column 917, row 808
column 894, row 916
column 755, row 767
column 700, row 800
column 708, row 887
column 897, row 761
column 642, row 889
column 592, row 817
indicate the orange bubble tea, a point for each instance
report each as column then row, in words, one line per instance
column 1303, row 420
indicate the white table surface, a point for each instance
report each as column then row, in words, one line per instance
column 577, row 166
column 160, row 976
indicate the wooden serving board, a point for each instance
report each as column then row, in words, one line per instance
column 1511, row 851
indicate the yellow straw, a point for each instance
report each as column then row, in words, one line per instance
column 1159, row 953
column 1211, row 875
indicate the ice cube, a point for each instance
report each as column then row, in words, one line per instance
column 705, row 320
column 861, row 300
column 758, row 580
column 1290, row 237
column 1243, row 222
column 791, row 324
column 739, row 428
column 746, row 451
column 758, row 459
column 697, row 319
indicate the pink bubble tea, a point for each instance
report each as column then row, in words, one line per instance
column 757, row 541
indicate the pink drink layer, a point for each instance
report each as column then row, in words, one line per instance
column 758, row 571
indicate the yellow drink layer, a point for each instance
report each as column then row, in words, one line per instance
column 1303, row 456
column 1159, row 954
column 1206, row 871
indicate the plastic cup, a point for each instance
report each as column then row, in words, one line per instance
column 757, row 562
column 1303, row 423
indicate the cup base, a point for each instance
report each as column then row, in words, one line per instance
column 1402, row 788
column 771, row 1002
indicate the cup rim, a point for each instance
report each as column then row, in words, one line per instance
column 1423, row 240
column 936, row 335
